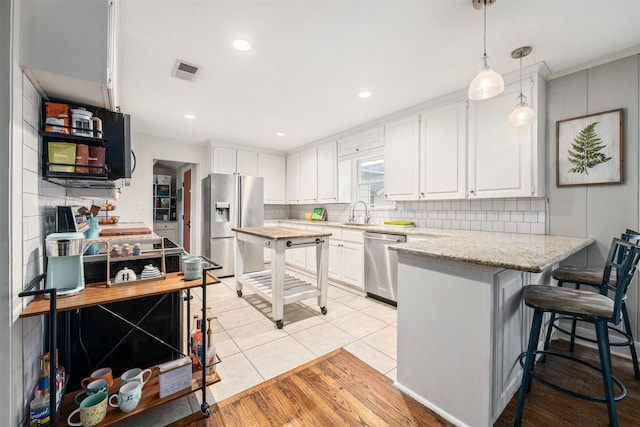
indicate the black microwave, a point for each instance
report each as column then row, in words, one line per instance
column 117, row 133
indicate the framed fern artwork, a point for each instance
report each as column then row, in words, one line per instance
column 589, row 149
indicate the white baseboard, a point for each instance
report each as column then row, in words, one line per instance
column 444, row 414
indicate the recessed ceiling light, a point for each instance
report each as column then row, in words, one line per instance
column 242, row 44
column 279, row 134
column 189, row 116
column 364, row 94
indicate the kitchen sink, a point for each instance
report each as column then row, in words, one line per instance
column 357, row 224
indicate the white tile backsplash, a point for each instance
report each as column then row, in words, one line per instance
column 504, row 215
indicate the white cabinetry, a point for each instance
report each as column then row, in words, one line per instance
column 363, row 141
column 402, row 159
column 328, row 173
column 504, row 160
column 168, row 229
column 309, row 176
column 272, row 168
column 67, row 49
column 293, row 178
column 443, row 142
column 346, row 257
column 231, row 161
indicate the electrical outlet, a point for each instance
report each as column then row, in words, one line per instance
column 139, row 206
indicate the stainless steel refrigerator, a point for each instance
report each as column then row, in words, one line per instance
column 231, row 201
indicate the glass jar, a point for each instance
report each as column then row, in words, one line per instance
column 137, row 250
column 125, row 250
column 115, row 251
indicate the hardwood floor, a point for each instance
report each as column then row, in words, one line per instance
column 339, row 389
column 547, row 407
column 334, row 390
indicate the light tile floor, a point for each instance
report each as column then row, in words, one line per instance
column 253, row 350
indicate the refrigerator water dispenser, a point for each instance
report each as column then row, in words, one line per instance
column 222, row 212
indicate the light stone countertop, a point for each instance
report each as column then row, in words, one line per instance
column 523, row 252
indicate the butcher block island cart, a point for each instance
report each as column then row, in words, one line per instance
column 275, row 286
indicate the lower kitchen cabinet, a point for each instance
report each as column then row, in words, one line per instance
column 346, row 257
column 168, row 229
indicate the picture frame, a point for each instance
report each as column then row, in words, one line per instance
column 589, row 149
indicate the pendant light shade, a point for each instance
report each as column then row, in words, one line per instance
column 522, row 114
column 487, row 82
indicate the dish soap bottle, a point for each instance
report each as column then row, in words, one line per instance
column 39, row 414
column 211, row 353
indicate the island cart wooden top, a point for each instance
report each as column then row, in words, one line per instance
column 100, row 293
column 281, row 233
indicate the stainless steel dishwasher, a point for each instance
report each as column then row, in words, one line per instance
column 381, row 265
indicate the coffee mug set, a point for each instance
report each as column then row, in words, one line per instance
column 93, row 408
column 192, row 266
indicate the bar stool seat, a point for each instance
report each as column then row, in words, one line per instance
column 595, row 308
column 568, row 301
column 585, row 276
column 581, row 275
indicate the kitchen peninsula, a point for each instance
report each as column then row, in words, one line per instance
column 461, row 320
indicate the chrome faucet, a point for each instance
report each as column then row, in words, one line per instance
column 367, row 216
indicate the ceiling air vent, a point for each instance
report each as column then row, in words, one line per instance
column 185, row 71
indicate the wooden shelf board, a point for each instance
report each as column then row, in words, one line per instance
column 150, row 399
column 96, row 294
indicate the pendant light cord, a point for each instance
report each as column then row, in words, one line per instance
column 485, row 28
column 521, row 74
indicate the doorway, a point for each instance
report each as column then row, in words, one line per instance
column 179, row 227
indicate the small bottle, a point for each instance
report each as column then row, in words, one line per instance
column 60, row 380
column 124, row 251
column 137, row 249
column 115, row 251
column 196, row 343
column 211, row 353
column 39, row 414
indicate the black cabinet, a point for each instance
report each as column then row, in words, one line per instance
column 84, row 143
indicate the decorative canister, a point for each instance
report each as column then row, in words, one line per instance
column 137, row 250
column 115, row 251
column 124, row 251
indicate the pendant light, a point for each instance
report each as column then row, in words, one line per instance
column 487, row 82
column 522, row 115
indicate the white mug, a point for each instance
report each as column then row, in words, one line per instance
column 128, row 397
column 192, row 266
column 137, row 375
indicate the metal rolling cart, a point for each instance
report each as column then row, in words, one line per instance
column 100, row 295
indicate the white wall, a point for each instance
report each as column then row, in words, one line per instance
column 135, row 203
column 599, row 211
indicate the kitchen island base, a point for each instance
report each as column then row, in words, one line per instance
column 461, row 328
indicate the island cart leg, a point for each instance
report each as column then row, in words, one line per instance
column 277, row 283
column 322, row 270
column 238, row 267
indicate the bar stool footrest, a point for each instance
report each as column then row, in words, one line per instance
column 616, row 382
column 620, row 332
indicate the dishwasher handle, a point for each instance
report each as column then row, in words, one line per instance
column 382, row 239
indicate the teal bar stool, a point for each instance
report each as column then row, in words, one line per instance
column 592, row 277
column 596, row 308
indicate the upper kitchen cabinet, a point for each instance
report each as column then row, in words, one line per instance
column 272, row 169
column 293, row 178
column 328, row 173
column 443, row 142
column 363, row 141
column 402, row 158
column 231, row 161
column 504, row 160
column 309, row 176
column 68, row 49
